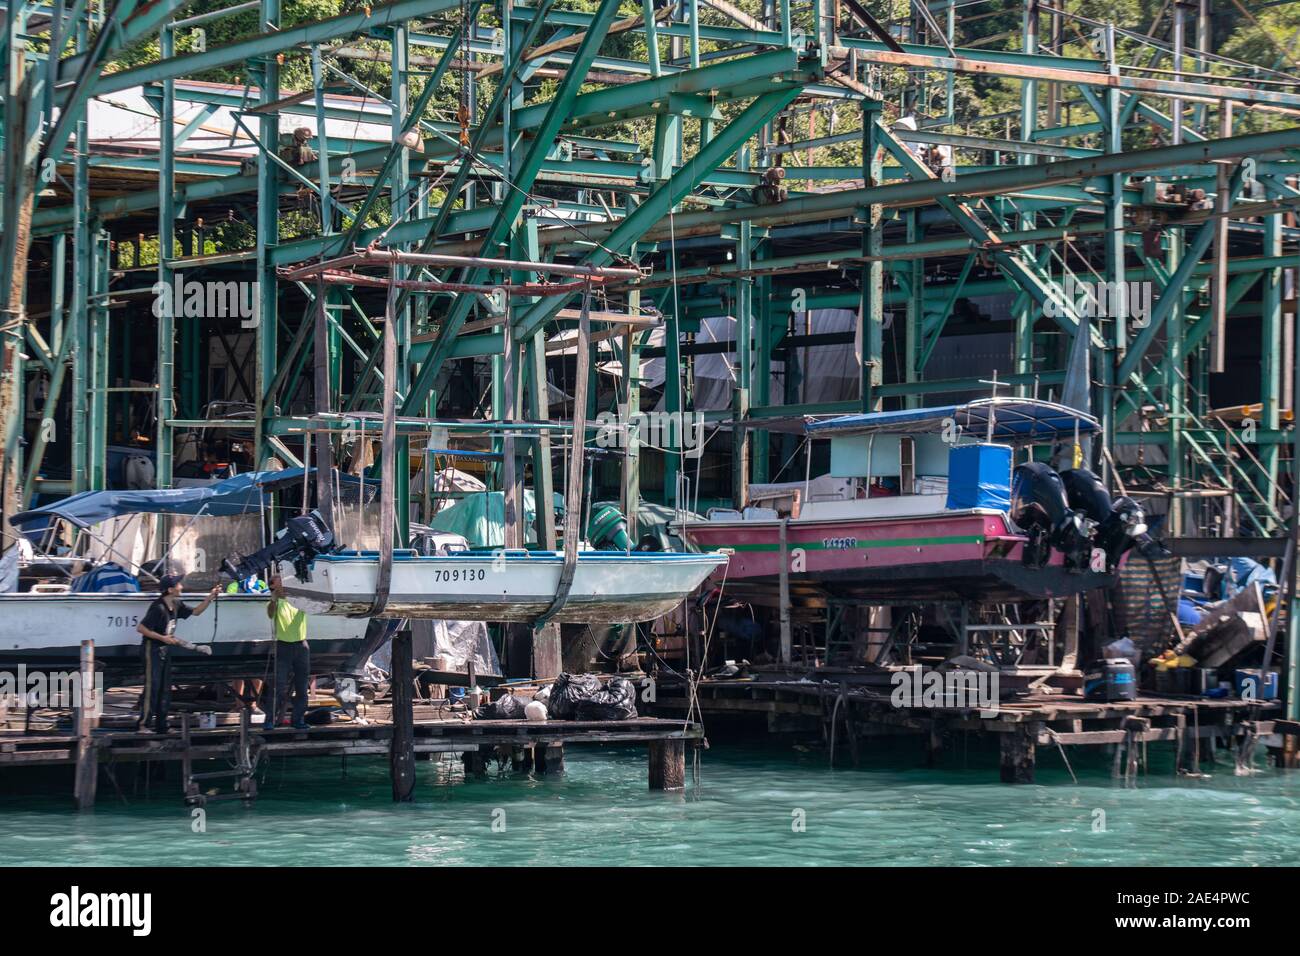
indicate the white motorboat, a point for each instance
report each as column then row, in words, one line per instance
column 44, row 631
column 608, row 587
column 43, row 620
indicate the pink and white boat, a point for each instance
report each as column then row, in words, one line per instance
column 919, row 505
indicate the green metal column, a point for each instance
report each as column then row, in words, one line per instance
column 166, row 346
column 99, row 348
column 673, row 395
column 631, row 470
column 1027, row 314
column 61, row 340
column 871, row 316
column 1115, row 261
column 762, row 385
column 743, row 293
column 1271, row 364
column 1174, row 364
column 79, row 319
column 267, row 72
column 915, row 310
column 400, row 198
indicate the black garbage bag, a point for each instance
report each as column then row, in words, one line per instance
column 569, row 693
column 616, row 701
column 584, row 697
column 508, row 707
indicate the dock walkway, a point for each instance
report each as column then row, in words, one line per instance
column 241, row 747
column 849, row 713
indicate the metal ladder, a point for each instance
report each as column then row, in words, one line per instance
column 241, row 771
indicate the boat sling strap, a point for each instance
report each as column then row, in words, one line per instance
column 573, row 483
column 388, row 442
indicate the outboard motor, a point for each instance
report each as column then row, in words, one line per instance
column 1120, row 522
column 303, row 538
column 1039, row 506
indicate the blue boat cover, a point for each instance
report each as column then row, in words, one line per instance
column 979, row 476
column 1015, row 421
column 107, row 578
column 238, row 495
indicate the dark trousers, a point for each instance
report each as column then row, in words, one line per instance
column 158, row 686
column 292, row 663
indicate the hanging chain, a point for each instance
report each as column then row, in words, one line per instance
column 466, row 76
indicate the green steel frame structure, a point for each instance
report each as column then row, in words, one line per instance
column 758, row 159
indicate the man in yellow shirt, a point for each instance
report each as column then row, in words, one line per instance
column 292, row 657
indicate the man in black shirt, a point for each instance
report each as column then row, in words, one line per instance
column 158, row 627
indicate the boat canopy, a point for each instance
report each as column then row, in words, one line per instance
column 1016, row 421
column 233, row 496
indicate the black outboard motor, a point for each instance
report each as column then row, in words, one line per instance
column 1040, row 507
column 1121, row 523
column 303, row 538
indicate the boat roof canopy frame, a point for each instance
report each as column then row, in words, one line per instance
column 1014, row 421
column 238, row 495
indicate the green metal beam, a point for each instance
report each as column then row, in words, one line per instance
column 661, row 202
column 1176, row 290
column 270, row 44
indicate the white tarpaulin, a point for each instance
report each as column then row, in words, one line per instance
column 9, row 570
column 457, row 642
column 828, row 373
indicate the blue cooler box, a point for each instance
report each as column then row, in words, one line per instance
column 979, row 476
column 1265, row 689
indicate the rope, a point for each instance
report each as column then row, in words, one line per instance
column 1056, row 739
column 692, row 682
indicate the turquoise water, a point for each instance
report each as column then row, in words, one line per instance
column 890, row 811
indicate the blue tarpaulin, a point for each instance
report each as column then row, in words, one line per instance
column 239, row 495
column 979, row 476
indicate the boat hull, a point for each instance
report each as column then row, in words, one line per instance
column 959, row 556
column 44, row 632
column 608, row 587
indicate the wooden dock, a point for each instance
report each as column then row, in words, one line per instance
column 241, row 747
column 849, row 715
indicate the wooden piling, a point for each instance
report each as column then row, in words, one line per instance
column 668, row 764
column 87, row 772
column 521, row 759
column 188, row 786
column 549, row 758
column 547, row 656
column 475, row 763
column 1018, row 754
column 933, row 744
column 401, row 754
